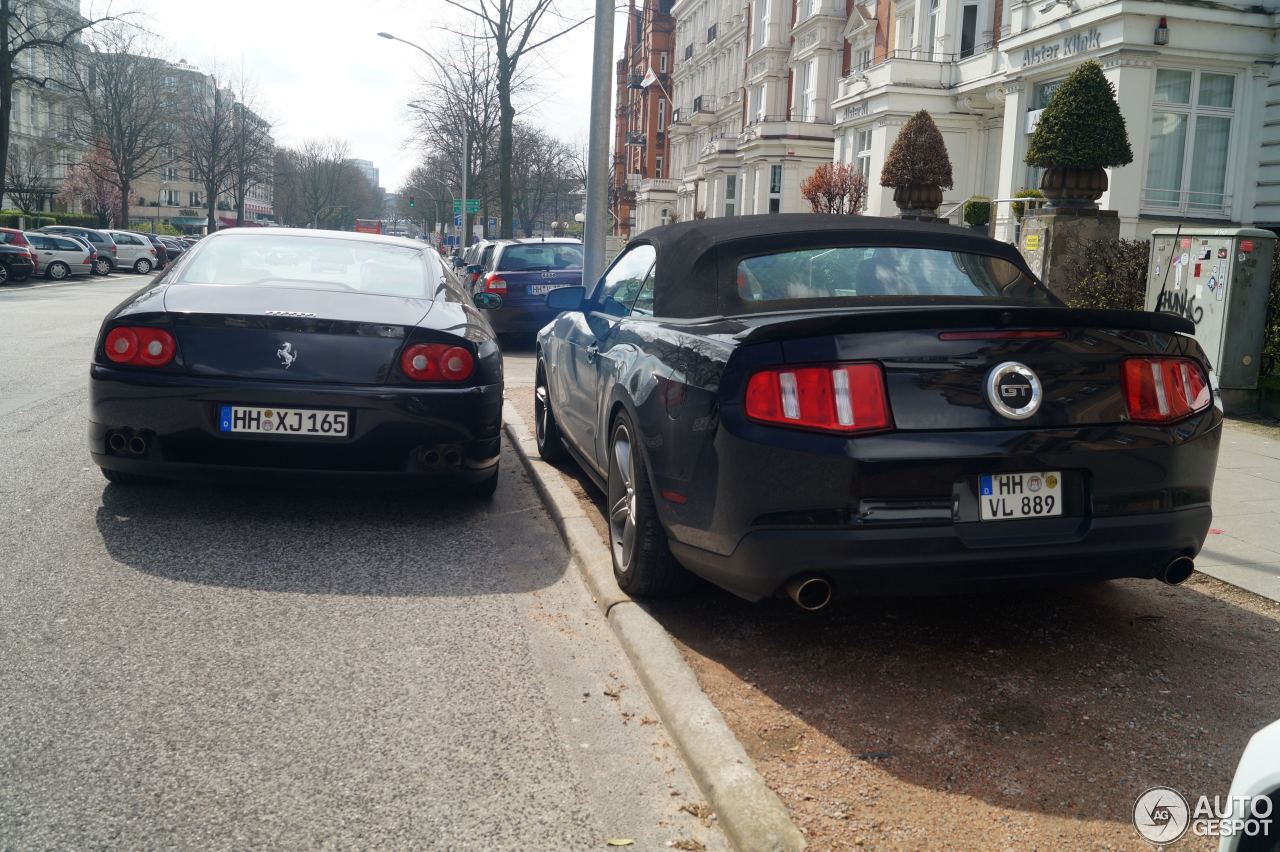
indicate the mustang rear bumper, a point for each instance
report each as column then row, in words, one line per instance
column 899, row 513
column 396, row 433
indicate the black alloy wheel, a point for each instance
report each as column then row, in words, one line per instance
column 642, row 560
column 546, row 430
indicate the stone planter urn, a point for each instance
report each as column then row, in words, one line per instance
column 1074, row 188
column 918, row 199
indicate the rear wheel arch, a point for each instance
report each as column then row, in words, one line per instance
column 619, row 405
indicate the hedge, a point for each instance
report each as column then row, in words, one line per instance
column 9, row 219
column 1271, row 337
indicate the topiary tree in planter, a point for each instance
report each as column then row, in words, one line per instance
column 977, row 213
column 1081, row 133
column 918, row 167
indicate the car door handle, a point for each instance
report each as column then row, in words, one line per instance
column 593, row 352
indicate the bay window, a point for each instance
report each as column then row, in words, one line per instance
column 1190, row 138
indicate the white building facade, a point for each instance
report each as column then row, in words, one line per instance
column 768, row 89
column 1192, row 81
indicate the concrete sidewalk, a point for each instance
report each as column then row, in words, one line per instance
column 1243, row 547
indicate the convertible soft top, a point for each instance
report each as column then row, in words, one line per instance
column 703, row 254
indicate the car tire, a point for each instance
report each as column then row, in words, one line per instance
column 57, row 271
column 142, row 266
column 119, row 477
column 642, row 560
column 102, row 267
column 4, row 274
column 485, row 489
column 545, row 429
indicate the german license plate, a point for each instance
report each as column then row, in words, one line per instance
column 542, row 289
column 1009, row 496
column 283, row 421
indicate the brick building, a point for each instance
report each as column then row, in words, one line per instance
column 643, row 109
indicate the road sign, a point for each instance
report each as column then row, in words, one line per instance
column 457, row 220
column 493, row 224
column 473, row 205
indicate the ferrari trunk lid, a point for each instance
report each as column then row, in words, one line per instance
column 289, row 334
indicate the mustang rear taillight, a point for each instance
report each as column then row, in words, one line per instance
column 841, row 398
column 495, row 283
column 437, row 362
column 140, row 346
column 1162, row 390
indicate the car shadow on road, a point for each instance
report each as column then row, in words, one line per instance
column 1067, row 703
column 282, row 538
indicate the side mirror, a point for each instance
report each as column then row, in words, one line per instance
column 473, row 269
column 487, row 301
column 566, row 298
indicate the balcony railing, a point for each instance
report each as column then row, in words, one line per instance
column 795, row 118
column 1177, row 203
column 704, row 103
column 920, row 54
column 636, row 137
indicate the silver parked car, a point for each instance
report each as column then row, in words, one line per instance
column 60, row 257
column 135, row 251
column 100, row 240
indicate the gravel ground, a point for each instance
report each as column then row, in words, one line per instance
column 1028, row 721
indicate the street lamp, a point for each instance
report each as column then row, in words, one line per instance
column 466, row 141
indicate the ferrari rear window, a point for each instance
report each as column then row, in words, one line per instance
column 886, row 273
column 311, row 263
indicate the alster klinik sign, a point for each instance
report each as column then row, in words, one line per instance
column 1077, row 42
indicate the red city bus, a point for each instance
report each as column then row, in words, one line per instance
column 369, row 226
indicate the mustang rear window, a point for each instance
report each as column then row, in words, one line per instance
column 856, row 273
column 311, row 263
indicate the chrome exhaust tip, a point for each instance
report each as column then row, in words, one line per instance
column 137, row 445
column 117, row 442
column 453, row 458
column 810, row 593
column 1177, row 571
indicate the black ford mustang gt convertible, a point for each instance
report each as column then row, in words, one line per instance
column 304, row 354
column 853, row 405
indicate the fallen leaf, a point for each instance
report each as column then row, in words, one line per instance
column 619, row 841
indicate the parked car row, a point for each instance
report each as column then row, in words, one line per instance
column 61, row 251
column 520, row 273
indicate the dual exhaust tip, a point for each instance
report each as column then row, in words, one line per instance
column 811, row 592
column 437, row 457
column 128, row 444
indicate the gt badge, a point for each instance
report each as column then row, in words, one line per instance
column 1014, row 390
column 287, row 355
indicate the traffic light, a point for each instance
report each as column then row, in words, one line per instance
column 411, row 201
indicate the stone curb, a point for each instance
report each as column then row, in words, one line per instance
column 750, row 814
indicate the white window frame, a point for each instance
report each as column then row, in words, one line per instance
column 730, row 194
column 1194, row 110
column 662, row 114
column 662, row 62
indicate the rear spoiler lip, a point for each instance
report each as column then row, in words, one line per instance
column 795, row 324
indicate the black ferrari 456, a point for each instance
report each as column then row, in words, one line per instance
column 299, row 353
column 851, row 405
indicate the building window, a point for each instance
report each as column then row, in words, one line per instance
column 775, row 205
column 904, row 36
column 931, row 40
column 806, row 8
column 657, row 167
column 864, row 58
column 804, row 92
column 1190, row 124
column 760, row 24
column 862, row 156
column 730, row 194
column 195, row 199
column 662, row 114
column 665, row 216
column 757, row 101
column 968, row 29
column 191, row 175
column 170, row 197
column 662, row 62
column 775, row 180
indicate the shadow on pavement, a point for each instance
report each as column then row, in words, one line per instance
column 289, row 539
column 1068, row 703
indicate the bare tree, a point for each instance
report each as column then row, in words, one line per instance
column 122, row 108
column 517, row 28
column 85, row 183
column 286, row 198
column 29, row 28
column 322, row 170
column 27, row 178
column 461, row 102
column 252, row 150
column 542, row 167
column 433, row 186
column 205, row 138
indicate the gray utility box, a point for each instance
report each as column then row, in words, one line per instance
column 1219, row 279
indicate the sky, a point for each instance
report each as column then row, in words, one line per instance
column 321, row 70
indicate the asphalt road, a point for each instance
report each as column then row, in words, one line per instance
column 201, row 667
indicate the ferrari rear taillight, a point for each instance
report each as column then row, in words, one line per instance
column 437, row 362
column 1162, row 390
column 140, row 346
column 841, row 398
column 495, row 283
